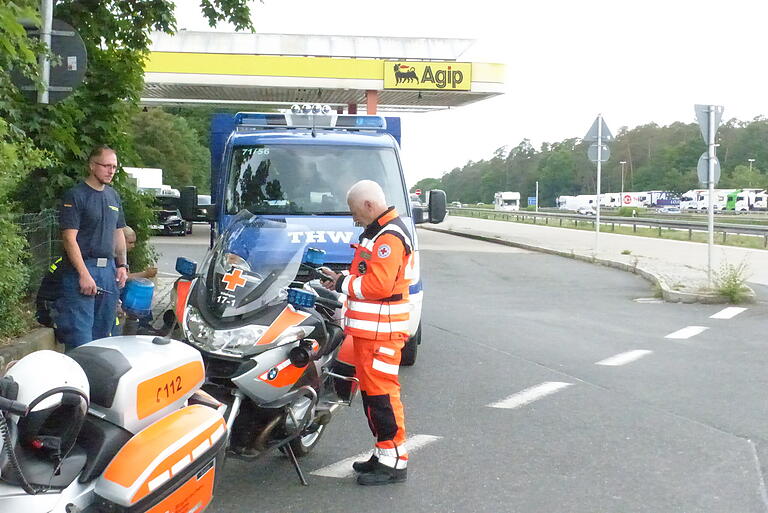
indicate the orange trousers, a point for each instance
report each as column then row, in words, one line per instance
column 377, row 363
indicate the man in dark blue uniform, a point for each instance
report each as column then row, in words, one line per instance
column 91, row 221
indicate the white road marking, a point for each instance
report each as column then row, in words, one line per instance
column 728, row 313
column 529, row 395
column 687, row 332
column 624, row 358
column 343, row 469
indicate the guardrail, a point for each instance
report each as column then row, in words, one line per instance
column 551, row 219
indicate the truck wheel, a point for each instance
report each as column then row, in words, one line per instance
column 408, row 356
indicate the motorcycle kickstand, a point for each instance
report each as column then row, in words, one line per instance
column 292, row 456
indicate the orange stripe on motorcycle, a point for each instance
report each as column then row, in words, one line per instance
column 194, row 495
column 179, row 435
column 287, row 373
column 156, row 393
column 288, row 318
column 182, row 295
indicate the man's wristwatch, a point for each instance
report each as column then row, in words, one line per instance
column 123, row 265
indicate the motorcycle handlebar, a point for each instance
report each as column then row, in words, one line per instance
column 330, row 303
column 13, row 406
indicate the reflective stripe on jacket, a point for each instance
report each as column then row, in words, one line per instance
column 376, row 286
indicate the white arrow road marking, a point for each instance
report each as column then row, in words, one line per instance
column 529, row 395
column 624, row 358
column 728, row 313
column 687, row 332
column 343, row 469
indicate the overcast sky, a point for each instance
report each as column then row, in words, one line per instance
column 636, row 62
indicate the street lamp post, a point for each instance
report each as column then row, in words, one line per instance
column 750, row 164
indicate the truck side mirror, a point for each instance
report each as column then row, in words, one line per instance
column 437, row 206
column 188, row 203
column 417, row 213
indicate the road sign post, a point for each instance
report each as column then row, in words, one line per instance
column 598, row 153
column 709, row 117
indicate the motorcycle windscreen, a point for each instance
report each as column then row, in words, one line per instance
column 251, row 265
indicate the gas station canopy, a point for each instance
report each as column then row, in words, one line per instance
column 277, row 70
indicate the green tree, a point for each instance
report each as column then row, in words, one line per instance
column 741, row 177
column 53, row 140
column 168, row 142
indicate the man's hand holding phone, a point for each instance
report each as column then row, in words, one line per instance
column 329, row 281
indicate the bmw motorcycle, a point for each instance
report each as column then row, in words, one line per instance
column 117, row 425
column 269, row 334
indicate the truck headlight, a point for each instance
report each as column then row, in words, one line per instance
column 240, row 341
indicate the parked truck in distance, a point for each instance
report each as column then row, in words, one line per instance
column 744, row 200
column 506, row 200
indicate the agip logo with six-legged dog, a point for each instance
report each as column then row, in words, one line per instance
column 451, row 76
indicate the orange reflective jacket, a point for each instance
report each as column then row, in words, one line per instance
column 376, row 286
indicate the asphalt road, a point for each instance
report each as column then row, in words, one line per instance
column 516, row 406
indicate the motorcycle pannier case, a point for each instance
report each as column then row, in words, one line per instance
column 169, row 466
column 138, row 380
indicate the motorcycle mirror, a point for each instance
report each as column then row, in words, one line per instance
column 314, row 257
column 186, row 267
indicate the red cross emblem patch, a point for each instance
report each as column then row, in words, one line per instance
column 233, row 279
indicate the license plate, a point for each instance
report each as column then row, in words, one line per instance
column 155, row 227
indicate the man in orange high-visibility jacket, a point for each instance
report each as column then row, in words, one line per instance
column 377, row 316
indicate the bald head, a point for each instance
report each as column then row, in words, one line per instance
column 366, row 201
column 130, row 237
column 367, row 190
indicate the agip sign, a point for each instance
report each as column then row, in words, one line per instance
column 440, row 76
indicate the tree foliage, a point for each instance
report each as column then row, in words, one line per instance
column 43, row 148
column 656, row 157
column 168, row 142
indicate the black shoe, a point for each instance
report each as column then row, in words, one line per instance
column 382, row 475
column 366, row 466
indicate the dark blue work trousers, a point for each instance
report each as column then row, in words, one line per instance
column 80, row 318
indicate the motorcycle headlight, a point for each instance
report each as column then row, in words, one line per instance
column 237, row 341
column 232, row 260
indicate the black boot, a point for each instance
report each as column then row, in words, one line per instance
column 381, row 475
column 366, row 466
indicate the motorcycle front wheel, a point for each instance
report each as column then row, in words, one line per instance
column 303, row 445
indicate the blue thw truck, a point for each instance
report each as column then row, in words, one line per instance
column 299, row 166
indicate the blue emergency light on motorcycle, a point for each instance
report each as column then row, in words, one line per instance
column 314, row 257
column 301, row 298
column 186, row 267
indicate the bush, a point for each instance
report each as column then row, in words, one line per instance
column 17, row 155
column 729, row 282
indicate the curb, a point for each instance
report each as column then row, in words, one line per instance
column 35, row 340
column 667, row 292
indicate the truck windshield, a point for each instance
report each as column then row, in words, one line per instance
column 308, row 179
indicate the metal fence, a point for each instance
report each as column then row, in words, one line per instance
column 553, row 219
column 41, row 230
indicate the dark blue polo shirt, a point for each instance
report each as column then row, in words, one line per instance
column 96, row 215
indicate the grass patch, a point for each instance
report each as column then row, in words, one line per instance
column 729, row 282
column 626, row 252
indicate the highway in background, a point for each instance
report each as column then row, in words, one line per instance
column 546, row 384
